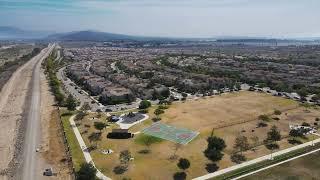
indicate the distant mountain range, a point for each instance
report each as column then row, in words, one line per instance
column 89, row 35
column 13, row 33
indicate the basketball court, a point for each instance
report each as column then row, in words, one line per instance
column 171, row 133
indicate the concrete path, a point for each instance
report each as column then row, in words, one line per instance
column 257, row 160
column 84, row 148
column 268, row 167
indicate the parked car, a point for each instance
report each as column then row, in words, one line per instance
column 48, row 172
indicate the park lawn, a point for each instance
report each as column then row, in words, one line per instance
column 75, row 149
column 299, row 169
column 229, row 109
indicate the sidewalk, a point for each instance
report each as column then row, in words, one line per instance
column 84, row 148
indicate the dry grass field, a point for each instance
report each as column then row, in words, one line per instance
column 228, row 115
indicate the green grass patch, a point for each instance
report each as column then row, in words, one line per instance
column 75, row 149
column 143, row 139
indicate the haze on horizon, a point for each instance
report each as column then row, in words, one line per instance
column 170, row 18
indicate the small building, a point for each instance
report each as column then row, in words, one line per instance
column 120, row 134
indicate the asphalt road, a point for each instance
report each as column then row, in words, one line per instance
column 33, row 131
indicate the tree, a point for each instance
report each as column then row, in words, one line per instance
column 241, row 143
column 85, row 107
column 180, row 176
column 125, row 157
column 158, row 112
column 100, row 125
column 144, row 104
column 238, row 158
column 95, row 136
column 183, row 163
column 71, row 103
column 255, row 141
column 274, row 134
column 176, row 147
column 86, row 172
column 214, row 148
column 272, row 137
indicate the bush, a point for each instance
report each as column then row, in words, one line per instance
column 183, row 163
column 294, row 141
column 143, row 111
column 158, row 111
column 211, row 167
column 86, row 172
column 276, row 118
column 120, row 169
column 317, row 119
column 144, row 104
column 264, row 117
column 272, row 146
column 262, row 124
column 277, row 112
column 180, row 176
column 305, row 124
column 238, row 158
column 156, row 119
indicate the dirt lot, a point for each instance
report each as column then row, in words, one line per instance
column 13, row 96
column 52, row 145
column 300, row 169
column 228, row 114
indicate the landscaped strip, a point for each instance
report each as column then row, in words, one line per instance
column 260, row 165
column 73, row 145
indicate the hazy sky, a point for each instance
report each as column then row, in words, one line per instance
column 180, row 18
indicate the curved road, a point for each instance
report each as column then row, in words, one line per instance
column 32, row 135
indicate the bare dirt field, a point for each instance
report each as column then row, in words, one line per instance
column 228, row 114
column 13, row 96
column 52, row 145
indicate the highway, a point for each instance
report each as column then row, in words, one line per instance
column 33, row 131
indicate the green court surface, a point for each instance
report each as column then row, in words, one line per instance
column 171, row 133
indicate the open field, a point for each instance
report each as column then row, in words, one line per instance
column 228, row 114
column 302, row 168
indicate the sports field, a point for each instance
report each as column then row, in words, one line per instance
column 171, row 133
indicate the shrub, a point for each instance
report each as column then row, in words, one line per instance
column 262, row 124
column 272, row 146
column 317, row 119
column 305, row 124
column 156, row 119
column 264, row 117
column 144, row 104
column 277, row 112
column 294, row 141
column 238, row 158
column 211, row 167
column 86, row 172
column 180, row 176
column 143, row 111
column 158, row 111
column 120, row 169
column 183, row 163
